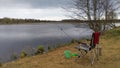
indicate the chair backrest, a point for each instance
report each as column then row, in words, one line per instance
column 94, row 39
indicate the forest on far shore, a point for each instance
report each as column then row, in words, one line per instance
column 21, row 21
column 25, row 21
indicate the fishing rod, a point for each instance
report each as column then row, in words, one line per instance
column 64, row 32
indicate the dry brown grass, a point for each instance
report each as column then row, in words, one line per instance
column 55, row 59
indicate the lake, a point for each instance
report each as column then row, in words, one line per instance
column 15, row 38
column 117, row 24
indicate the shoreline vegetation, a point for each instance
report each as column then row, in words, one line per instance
column 55, row 57
column 6, row 20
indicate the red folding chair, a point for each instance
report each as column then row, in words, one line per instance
column 93, row 48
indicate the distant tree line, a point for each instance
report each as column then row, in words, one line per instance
column 30, row 21
column 21, row 21
column 87, row 21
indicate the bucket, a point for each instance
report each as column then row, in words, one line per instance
column 67, row 54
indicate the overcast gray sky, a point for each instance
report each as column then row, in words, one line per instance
column 38, row 9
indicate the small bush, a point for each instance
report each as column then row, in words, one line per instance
column 67, row 44
column 23, row 54
column 49, row 48
column 14, row 56
column 40, row 50
column 58, row 46
column 73, row 41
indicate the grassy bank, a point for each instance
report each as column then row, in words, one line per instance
column 110, row 58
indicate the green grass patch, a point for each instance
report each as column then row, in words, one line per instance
column 112, row 33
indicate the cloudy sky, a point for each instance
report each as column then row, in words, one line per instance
column 37, row 9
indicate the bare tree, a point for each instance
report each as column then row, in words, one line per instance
column 110, row 8
column 94, row 10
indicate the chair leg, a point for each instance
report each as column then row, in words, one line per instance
column 93, row 56
column 98, row 51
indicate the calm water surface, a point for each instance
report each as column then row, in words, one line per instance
column 15, row 38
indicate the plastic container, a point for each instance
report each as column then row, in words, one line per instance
column 67, row 54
